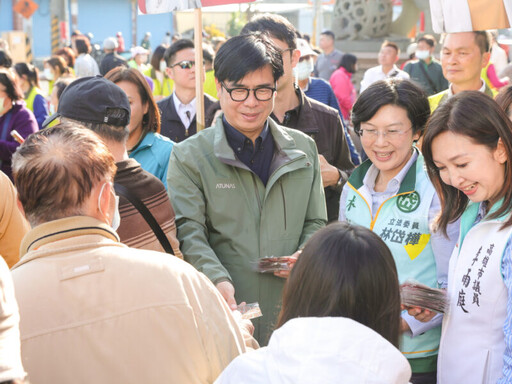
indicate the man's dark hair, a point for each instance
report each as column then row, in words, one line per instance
column 208, row 53
column 61, row 85
column 275, row 26
column 391, row 44
column 114, row 133
column 328, row 33
column 170, row 53
column 483, row 40
column 82, row 45
column 429, row 39
column 244, row 54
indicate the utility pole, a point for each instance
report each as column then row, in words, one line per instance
column 135, row 12
column 317, row 22
column 60, row 23
column 74, row 14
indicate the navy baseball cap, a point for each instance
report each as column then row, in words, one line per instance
column 89, row 99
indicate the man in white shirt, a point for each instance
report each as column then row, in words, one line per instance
column 178, row 120
column 388, row 56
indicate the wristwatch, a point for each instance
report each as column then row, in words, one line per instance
column 339, row 183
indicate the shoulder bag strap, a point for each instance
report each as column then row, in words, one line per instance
column 146, row 214
column 428, row 77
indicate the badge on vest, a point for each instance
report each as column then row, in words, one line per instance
column 408, row 203
column 408, row 234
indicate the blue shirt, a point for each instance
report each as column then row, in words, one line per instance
column 256, row 156
column 153, row 154
column 40, row 110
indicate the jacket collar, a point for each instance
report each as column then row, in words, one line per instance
column 408, row 184
column 222, row 149
column 147, row 141
column 306, row 117
column 169, row 110
column 55, row 230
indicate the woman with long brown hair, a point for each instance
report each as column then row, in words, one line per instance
column 467, row 149
column 340, row 318
column 144, row 144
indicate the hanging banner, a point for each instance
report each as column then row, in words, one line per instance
column 147, row 7
column 452, row 16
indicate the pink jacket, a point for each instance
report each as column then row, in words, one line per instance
column 344, row 90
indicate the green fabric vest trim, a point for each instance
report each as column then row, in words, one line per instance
column 31, row 97
column 408, row 183
column 469, row 216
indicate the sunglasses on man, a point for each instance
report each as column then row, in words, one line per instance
column 185, row 64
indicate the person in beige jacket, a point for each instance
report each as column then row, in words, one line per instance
column 92, row 309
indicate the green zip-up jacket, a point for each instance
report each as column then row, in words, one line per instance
column 227, row 218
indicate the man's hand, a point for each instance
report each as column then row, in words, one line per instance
column 227, row 291
column 245, row 324
column 404, row 327
column 291, row 262
column 420, row 314
column 330, row 174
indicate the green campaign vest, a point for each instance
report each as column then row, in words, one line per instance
column 31, row 97
column 402, row 222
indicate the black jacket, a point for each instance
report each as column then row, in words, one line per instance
column 324, row 125
column 170, row 123
column 110, row 61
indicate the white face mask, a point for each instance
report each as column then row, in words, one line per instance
column 2, row 109
column 304, row 68
column 48, row 74
column 163, row 66
column 422, row 55
column 116, row 220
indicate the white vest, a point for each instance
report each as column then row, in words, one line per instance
column 472, row 340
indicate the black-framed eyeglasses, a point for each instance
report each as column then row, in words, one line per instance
column 282, row 51
column 241, row 94
column 185, row 64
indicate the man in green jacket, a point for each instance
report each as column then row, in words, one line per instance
column 247, row 187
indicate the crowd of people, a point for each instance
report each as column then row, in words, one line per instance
column 135, row 239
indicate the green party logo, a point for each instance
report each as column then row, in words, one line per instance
column 408, row 203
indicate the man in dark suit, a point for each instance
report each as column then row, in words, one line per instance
column 178, row 121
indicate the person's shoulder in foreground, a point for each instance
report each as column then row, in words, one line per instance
column 322, row 357
column 13, row 226
column 96, row 290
